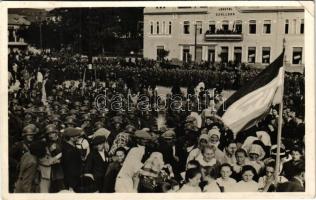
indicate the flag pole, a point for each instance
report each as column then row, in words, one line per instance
column 83, row 80
column 280, row 121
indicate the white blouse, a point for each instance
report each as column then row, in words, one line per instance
column 227, row 184
column 188, row 188
column 250, row 186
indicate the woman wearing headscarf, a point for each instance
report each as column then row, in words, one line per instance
column 215, row 136
column 134, row 161
column 204, row 139
column 256, row 154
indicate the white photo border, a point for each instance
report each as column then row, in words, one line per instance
column 309, row 102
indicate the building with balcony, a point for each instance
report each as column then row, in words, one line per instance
column 254, row 35
column 15, row 24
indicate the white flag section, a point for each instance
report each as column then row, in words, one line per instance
column 245, row 110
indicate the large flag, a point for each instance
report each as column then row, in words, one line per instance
column 253, row 101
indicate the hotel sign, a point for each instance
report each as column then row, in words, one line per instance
column 225, row 12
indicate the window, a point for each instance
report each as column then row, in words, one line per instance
column 170, row 26
column 294, row 26
column 186, row 56
column 302, row 26
column 151, row 28
column 224, row 55
column 163, row 27
column 212, row 27
column 297, row 55
column 265, row 55
column 267, row 26
column 238, row 26
column 186, row 27
column 160, row 49
column 286, row 28
column 225, row 25
column 157, row 28
column 237, row 54
column 11, row 34
column 251, row 54
column 252, row 27
column 199, row 27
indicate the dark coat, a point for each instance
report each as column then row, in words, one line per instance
column 72, row 165
column 293, row 185
column 27, row 174
column 289, row 168
column 110, row 177
column 96, row 166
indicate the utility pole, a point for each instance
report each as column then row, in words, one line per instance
column 40, row 29
column 195, row 35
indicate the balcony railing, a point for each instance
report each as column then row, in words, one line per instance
column 223, row 35
column 18, row 43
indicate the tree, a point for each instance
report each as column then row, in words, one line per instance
column 93, row 31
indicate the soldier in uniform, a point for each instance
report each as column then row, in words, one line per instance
column 28, row 173
column 117, row 123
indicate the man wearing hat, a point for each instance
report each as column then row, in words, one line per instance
column 98, row 125
column 147, row 119
column 132, row 117
column 168, row 149
column 55, row 119
column 28, row 134
column 28, row 168
column 186, row 143
column 86, row 124
column 97, row 161
column 71, row 157
column 40, row 117
column 93, row 114
column 70, row 122
column 28, row 119
column 19, row 148
column 116, row 128
column 77, row 105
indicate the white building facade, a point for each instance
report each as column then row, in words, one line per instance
column 254, row 35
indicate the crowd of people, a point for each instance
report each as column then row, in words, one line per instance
column 62, row 138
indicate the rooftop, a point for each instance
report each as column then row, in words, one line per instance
column 15, row 19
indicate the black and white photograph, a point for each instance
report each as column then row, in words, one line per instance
column 158, row 99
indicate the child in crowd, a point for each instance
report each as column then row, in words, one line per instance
column 225, row 182
column 247, row 184
column 192, row 178
column 241, row 160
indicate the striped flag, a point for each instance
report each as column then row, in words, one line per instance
column 253, row 101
